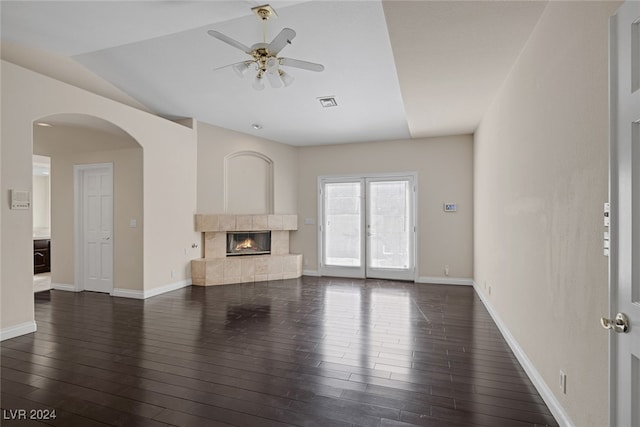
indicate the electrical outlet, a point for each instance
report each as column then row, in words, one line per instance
column 173, row 274
column 489, row 290
column 446, row 270
column 563, row 382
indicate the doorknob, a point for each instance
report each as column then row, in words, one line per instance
column 620, row 324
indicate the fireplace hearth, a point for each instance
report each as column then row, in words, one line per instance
column 248, row 243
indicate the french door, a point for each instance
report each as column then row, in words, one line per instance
column 367, row 226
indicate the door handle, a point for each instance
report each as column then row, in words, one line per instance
column 619, row 324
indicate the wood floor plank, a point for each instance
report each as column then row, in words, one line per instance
column 303, row 352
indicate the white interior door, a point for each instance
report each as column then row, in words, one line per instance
column 367, row 227
column 625, row 214
column 97, row 227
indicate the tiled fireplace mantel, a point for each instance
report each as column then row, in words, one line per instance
column 216, row 268
column 206, row 222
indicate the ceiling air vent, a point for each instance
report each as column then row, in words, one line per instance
column 328, row 102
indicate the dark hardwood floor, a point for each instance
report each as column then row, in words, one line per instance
column 306, row 352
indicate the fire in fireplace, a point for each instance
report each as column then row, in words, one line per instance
column 248, row 243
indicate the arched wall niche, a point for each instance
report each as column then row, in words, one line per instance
column 248, row 177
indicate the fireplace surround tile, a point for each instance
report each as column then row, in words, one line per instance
column 232, row 267
column 244, row 223
column 261, row 266
column 214, row 271
column 207, row 222
column 290, row 222
column 275, row 222
column 260, row 222
column 279, row 242
column 227, row 222
column 198, row 271
column 248, row 269
column 215, row 245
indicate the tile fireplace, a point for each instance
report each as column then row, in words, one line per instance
column 245, row 248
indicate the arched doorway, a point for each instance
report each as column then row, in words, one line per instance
column 96, row 202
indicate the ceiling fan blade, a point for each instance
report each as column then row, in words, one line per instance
column 238, row 65
column 281, row 40
column 228, row 40
column 305, row 65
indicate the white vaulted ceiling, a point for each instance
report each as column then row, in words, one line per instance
column 398, row 69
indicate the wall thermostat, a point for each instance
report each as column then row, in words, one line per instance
column 450, row 207
column 20, row 199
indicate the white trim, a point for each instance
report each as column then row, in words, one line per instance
column 313, row 273
column 539, row 383
column 64, row 287
column 445, row 280
column 18, row 330
column 128, row 293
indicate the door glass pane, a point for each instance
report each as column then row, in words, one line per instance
column 342, row 224
column 388, row 228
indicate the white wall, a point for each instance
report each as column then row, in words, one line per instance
column 169, row 180
column 445, row 174
column 540, row 181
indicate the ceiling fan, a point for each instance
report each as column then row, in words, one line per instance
column 265, row 55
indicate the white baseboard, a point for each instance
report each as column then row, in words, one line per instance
column 128, row 293
column 18, row 330
column 545, row 392
column 313, row 273
column 445, row 280
column 64, row 287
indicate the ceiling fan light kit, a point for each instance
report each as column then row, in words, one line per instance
column 265, row 55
